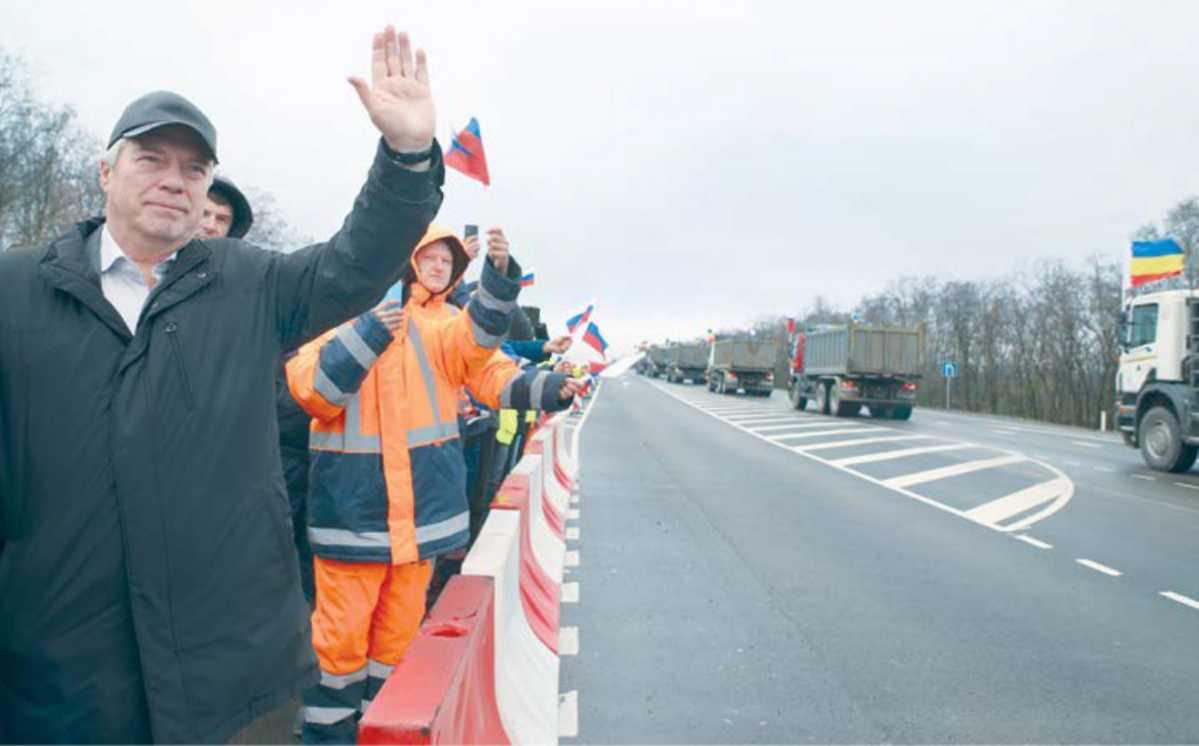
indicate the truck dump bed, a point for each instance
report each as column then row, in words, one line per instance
column 689, row 356
column 865, row 350
column 744, row 354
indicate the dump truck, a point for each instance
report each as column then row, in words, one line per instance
column 742, row 365
column 1157, row 383
column 688, row 362
column 659, row 359
column 844, row 368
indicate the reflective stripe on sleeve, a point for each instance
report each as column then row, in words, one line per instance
column 327, row 389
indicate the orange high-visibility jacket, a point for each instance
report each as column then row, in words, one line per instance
column 387, row 480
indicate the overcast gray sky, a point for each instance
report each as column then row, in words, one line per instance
column 692, row 164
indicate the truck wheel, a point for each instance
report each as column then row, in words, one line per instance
column 902, row 413
column 797, row 399
column 1161, row 442
column 836, row 407
column 821, row 398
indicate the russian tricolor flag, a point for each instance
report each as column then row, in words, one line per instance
column 578, row 319
column 466, row 153
column 595, row 340
column 526, row 280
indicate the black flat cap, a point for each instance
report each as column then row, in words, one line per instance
column 159, row 109
column 243, row 216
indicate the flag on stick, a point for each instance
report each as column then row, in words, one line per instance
column 466, row 153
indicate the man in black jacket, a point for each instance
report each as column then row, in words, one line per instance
column 148, row 584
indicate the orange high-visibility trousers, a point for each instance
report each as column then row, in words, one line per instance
column 367, row 613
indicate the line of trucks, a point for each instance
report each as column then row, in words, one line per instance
column 838, row 369
column 843, row 369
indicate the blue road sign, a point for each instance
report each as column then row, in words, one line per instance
column 949, row 370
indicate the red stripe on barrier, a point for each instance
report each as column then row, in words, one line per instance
column 539, row 593
column 443, row 691
column 556, row 521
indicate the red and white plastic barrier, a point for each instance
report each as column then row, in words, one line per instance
column 443, row 691
column 484, row 668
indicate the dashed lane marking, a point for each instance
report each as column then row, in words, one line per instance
column 1188, row 485
column 1146, row 477
column 570, row 593
column 871, row 458
column 568, row 714
column 572, row 533
column 1099, row 568
column 1035, row 542
column 571, row 559
column 1086, row 445
column 1184, row 600
column 1001, row 431
column 568, row 641
column 862, row 442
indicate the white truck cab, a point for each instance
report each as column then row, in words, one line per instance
column 1155, row 386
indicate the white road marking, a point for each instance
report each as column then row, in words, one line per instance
column 818, row 433
column 767, row 428
column 1086, row 445
column 572, row 514
column 1035, row 542
column 1057, row 505
column 1188, row 485
column 944, row 472
column 799, row 425
column 1184, row 600
column 1106, row 469
column 870, row 458
column 1101, row 568
column 574, row 498
column 572, row 533
column 763, row 419
column 943, row 423
column 570, row 593
column 1146, row 477
column 571, row 559
column 999, row 510
column 568, row 641
column 862, row 442
column 1071, row 463
column 1001, row 431
column 568, row 715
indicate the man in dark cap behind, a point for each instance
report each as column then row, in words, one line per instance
column 148, row 585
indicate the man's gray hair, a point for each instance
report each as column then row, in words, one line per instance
column 112, row 154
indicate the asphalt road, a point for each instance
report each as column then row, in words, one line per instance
column 748, row 573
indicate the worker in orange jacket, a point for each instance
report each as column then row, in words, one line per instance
column 387, row 488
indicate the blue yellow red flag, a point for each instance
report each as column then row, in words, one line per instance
column 1155, row 260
